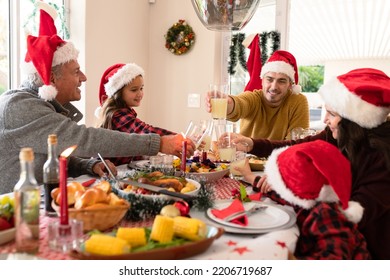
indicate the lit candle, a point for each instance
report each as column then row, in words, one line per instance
column 64, row 219
column 184, row 156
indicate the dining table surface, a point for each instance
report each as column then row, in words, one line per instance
column 268, row 245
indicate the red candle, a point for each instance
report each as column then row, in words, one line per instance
column 64, row 219
column 184, row 156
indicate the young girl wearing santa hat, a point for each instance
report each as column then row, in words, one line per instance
column 121, row 89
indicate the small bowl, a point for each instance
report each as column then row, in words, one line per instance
column 209, row 177
column 7, row 235
column 257, row 164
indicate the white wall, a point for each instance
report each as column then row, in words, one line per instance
column 133, row 31
column 334, row 68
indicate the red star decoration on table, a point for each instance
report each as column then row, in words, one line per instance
column 281, row 244
column 231, row 243
column 241, row 250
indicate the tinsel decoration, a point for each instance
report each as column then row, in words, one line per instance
column 63, row 28
column 275, row 38
column 264, row 49
column 237, row 49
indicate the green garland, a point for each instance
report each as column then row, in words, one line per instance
column 275, row 37
column 237, row 46
column 237, row 49
column 180, row 38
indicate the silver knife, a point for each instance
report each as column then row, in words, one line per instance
column 159, row 190
column 252, row 210
column 107, row 167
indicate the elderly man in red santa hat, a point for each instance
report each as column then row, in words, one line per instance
column 42, row 106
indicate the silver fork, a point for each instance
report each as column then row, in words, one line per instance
column 252, row 210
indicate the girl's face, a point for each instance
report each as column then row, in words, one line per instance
column 133, row 93
column 332, row 120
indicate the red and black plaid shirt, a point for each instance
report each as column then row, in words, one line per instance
column 126, row 120
column 325, row 233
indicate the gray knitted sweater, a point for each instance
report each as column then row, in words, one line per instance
column 26, row 121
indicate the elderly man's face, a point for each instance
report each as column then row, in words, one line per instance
column 275, row 88
column 68, row 82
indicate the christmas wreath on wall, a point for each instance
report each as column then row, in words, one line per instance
column 179, row 38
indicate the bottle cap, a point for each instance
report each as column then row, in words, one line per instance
column 26, row 154
column 52, row 139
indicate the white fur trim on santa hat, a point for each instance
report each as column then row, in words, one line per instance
column 354, row 212
column 122, row 77
column 281, row 67
column 65, row 53
column 350, row 106
column 98, row 112
column 47, row 92
column 47, row 8
column 275, row 180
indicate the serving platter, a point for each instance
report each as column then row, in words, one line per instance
column 171, row 253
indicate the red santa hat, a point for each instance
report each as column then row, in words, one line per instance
column 254, row 63
column 47, row 50
column 114, row 78
column 361, row 95
column 283, row 62
column 304, row 174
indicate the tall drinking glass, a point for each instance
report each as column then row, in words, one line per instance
column 219, row 100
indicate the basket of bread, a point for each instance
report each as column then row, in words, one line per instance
column 98, row 207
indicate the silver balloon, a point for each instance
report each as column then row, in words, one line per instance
column 225, row 15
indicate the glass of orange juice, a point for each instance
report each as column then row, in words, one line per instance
column 219, row 100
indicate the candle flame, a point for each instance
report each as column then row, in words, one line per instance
column 68, row 151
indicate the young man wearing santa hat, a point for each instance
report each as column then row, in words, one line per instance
column 319, row 189
column 273, row 111
column 121, row 89
column 41, row 106
column 358, row 106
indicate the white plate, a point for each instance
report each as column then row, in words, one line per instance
column 7, row 235
column 261, row 222
column 271, row 217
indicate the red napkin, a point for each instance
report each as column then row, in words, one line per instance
column 234, row 207
column 255, row 196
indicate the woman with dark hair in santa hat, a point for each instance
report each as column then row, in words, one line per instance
column 121, row 89
column 320, row 195
column 357, row 117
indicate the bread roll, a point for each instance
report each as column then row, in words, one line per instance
column 72, row 188
column 91, row 196
column 105, row 186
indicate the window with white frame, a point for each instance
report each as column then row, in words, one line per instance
column 17, row 19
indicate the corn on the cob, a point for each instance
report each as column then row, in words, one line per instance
column 162, row 229
column 106, row 245
column 189, row 228
column 135, row 237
